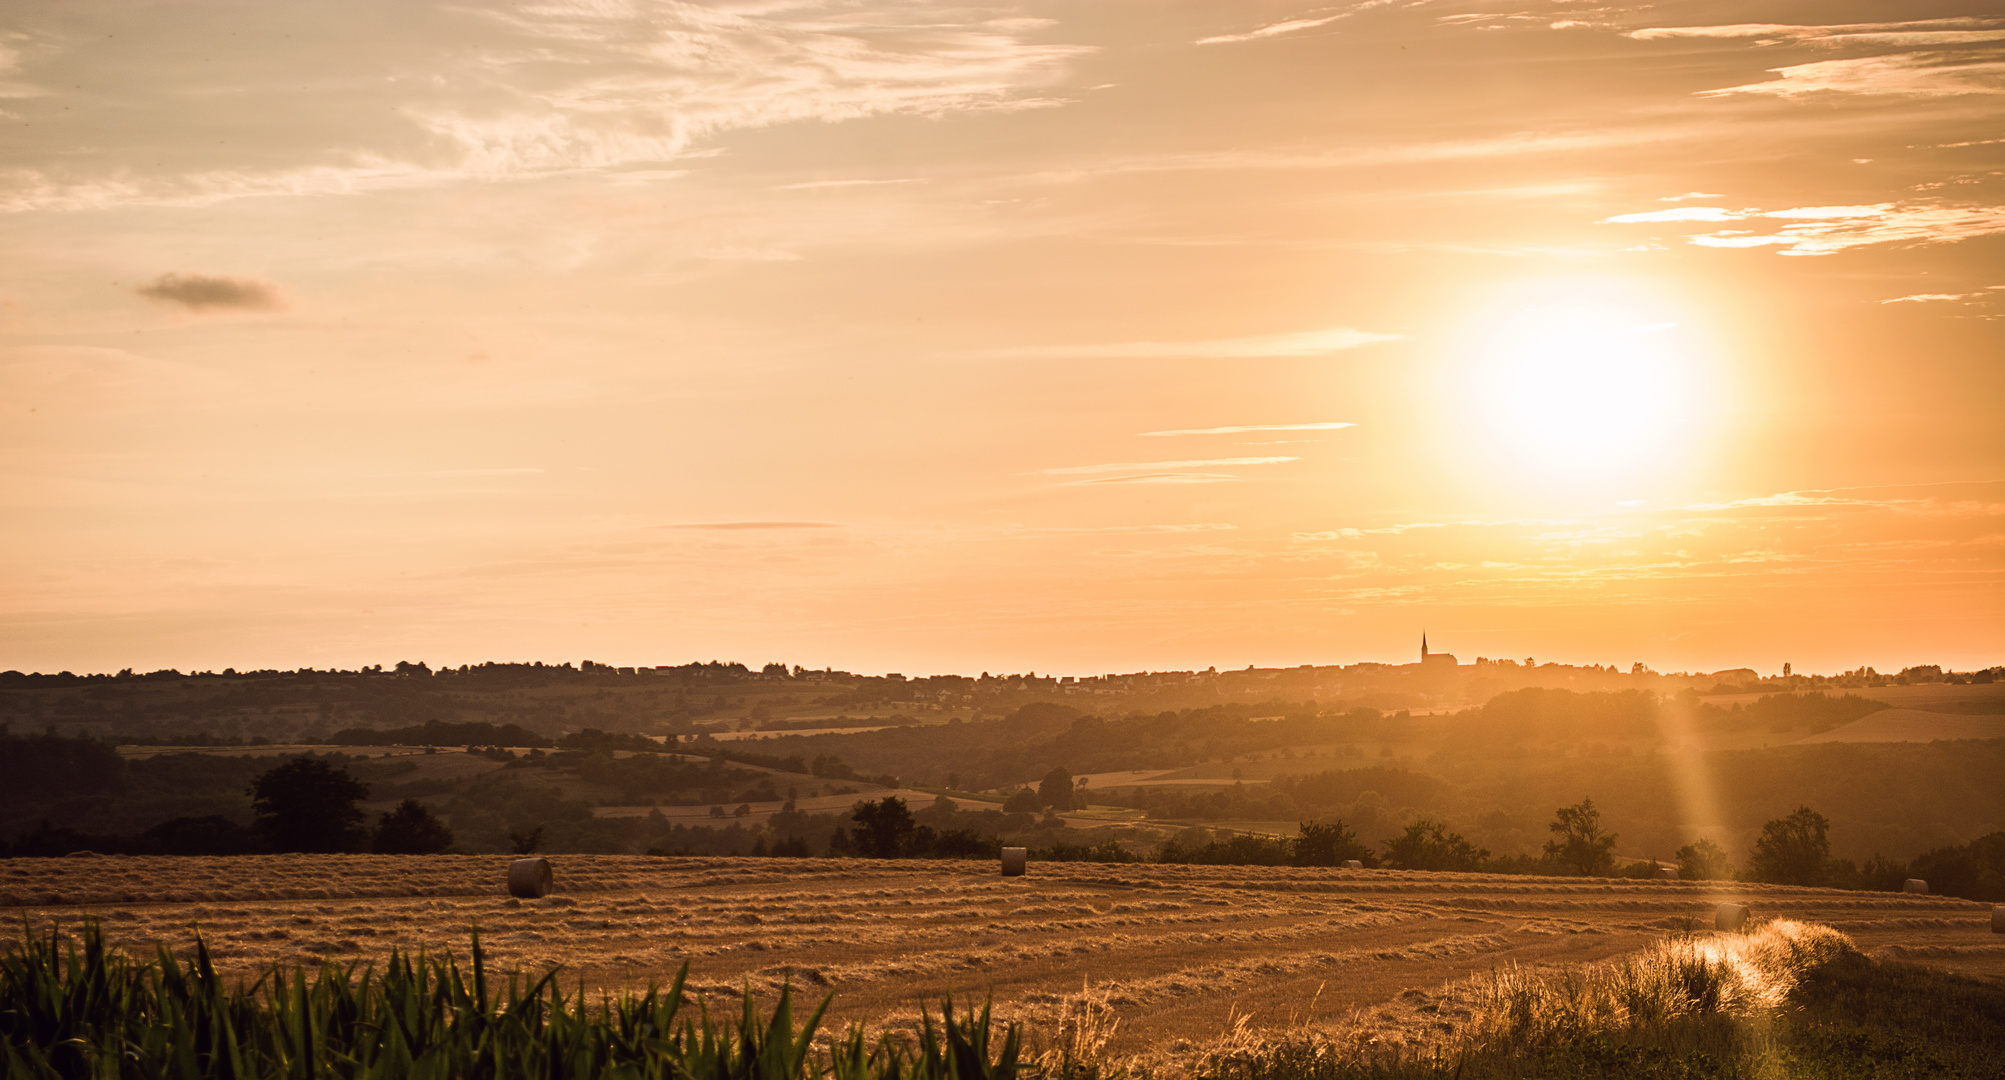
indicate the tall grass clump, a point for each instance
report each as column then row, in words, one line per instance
column 1789, row 999
column 73, row 1008
column 1681, row 979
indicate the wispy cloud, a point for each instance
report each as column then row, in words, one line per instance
column 202, row 292
column 1825, row 230
column 1131, row 466
column 1682, row 213
column 1919, row 74
column 1311, row 343
column 1839, row 31
column 1690, row 195
column 1929, row 298
column 1927, row 31
column 1925, row 58
column 521, row 91
column 485, row 472
column 1245, row 428
column 1288, row 26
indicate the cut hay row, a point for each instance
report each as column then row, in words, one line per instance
column 1180, row 946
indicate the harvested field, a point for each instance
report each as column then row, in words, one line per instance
column 1913, row 725
column 1176, row 949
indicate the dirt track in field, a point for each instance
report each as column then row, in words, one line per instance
column 1177, row 950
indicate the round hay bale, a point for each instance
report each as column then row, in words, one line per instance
column 1013, row 860
column 1998, row 918
column 1667, row 873
column 1354, row 864
column 529, row 878
column 1915, row 885
column 1730, row 917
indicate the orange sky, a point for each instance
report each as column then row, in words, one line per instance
column 1071, row 337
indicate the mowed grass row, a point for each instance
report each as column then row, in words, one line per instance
column 1178, row 951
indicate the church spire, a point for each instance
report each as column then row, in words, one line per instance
column 1423, row 646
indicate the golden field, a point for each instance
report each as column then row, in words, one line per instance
column 1177, row 951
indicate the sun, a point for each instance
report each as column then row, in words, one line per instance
column 1579, row 382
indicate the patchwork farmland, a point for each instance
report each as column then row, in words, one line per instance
column 1178, row 951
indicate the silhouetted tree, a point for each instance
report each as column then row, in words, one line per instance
column 411, row 829
column 309, row 805
column 1330, row 844
column 1428, row 845
column 1974, row 871
column 1794, row 850
column 1055, row 790
column 525, row 841
column 1703, row 860
column 1578, row 842
column 883, row 829
column 1021, row 801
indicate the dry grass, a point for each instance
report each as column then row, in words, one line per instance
column 1788, row 999
column 1171, row 953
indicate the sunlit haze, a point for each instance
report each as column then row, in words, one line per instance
column 1066, row 337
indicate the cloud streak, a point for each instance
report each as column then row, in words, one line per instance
column 1931, row 29
column 1920, row 74
column 1827, row 230
column 1288, row 26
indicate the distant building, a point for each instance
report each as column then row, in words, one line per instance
column 1434, row 659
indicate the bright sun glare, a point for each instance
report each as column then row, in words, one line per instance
column 1582, row 386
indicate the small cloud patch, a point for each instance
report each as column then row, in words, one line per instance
column 201, row 292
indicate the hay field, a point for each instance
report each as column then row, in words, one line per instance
column 1177, row 950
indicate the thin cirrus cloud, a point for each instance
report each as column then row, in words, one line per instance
column 203, row 292
column 1682, row 213
column 1826, row 230
column 1923, row 31
column 1922, row 74
column 1946, row 64
column 516, row 91
column 1243, row 429
column 1286, row 26
column 1310, row 343
column 1928, row 298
